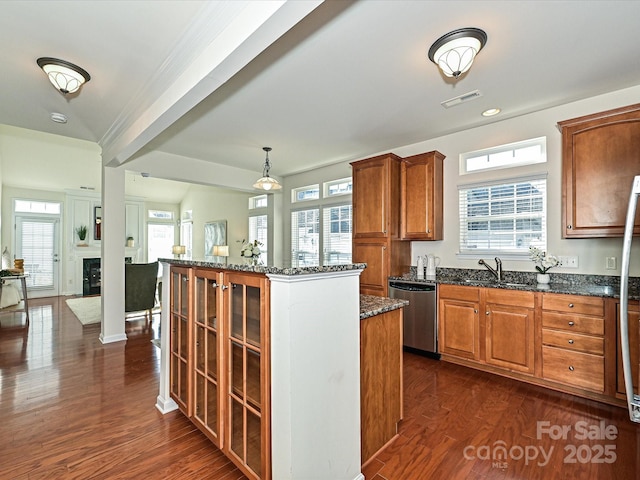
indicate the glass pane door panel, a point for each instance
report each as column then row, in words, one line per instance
column 237, row 311
column 253, row 442
column 212, row 303
column 183, row 327
column 253, row 315
column 200, row 350
column 237, row 429
column 212, row 354
column 212, row 406
column 183, row 380
column 253, row 379
column 236, row 369
column 200, row 299
column 200, row 386
column 175, row 321
column 175, row 366
column 175, row 279
column 184, row 296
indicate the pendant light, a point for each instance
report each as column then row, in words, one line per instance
column 266, row 182
column 455, row 51
column 65, row 76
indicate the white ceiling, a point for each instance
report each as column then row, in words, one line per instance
column 349, row 80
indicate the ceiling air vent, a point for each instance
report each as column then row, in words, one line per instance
column 452, row 102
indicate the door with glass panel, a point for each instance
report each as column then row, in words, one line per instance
column 37, row 240
column 207, row 350
column 180, row 338
column 247, row 361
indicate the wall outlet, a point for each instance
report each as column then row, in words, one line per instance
column 568, row 261
column 611, row 263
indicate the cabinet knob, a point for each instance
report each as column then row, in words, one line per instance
column 571, row 305
column 571, row 368
column 569, row 227
column 214, row 285
column 224, row 287
column 475, row 310
column 571, row 342
column 487, row 312
column 571, row 324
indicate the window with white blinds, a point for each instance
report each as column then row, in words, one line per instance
column 258, row 230
column 503, row 217
column 337, row 234
column 305, row 238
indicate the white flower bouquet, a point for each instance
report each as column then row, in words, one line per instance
column 250, row 250
column 543, row 261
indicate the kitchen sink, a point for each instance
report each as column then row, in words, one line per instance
column 495, row 283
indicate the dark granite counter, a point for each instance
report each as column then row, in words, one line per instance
column 240, row 266
column 575, row 284
column 371, row 305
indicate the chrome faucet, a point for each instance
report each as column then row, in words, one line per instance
column 497, row 272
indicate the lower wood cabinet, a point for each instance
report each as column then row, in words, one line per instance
column 220, row 366
column 562, row 341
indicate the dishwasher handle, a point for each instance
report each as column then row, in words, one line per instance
column 412, row 287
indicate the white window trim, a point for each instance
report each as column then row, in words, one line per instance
column 541, row 141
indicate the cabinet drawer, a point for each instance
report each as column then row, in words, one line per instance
column 574, row 369
column 573, row 341
column 515, row 298
column 457, row 292
column 573, row 304
column 573, row 323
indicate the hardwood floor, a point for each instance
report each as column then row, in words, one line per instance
column 72, row 408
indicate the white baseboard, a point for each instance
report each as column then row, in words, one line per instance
column 113, row 338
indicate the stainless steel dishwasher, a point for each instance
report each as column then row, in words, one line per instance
column 420, row 319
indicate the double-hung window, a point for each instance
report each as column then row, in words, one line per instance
column 503, row 217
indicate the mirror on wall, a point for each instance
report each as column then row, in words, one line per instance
column 97, row 226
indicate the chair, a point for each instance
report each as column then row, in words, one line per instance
column 140, row 283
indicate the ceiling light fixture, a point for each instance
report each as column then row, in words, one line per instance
column 266, row 182
column 491, row 112
column 65, row 76
column 455, row 51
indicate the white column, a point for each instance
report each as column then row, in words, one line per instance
column 113, row 243
column 164, row 402
column 315, row 376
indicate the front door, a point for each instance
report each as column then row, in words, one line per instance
column 37, row 242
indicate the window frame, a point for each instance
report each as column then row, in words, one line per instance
column 508, row 147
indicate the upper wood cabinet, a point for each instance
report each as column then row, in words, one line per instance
column 376, row 222
column 421, row 196
column 600, row 157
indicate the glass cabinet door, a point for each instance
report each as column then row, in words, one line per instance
column 247, row 409
column 206, row 348
column 179, row 337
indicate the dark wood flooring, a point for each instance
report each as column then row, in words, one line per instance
column 72, row 408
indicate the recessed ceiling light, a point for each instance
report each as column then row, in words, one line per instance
column 491, row 112
column 58, row 117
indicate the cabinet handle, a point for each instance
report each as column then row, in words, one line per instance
column 571, row 324
column 487, row 312
column 475, row 310
column 569, row 227
column 571, row 305
column 214, row 285
column 224, row 287
column 571, row 368
column 571, row 342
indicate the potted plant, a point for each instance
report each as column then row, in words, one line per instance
column 130, row 242
column 81, row 231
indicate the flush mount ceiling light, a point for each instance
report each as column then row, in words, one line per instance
column 65, row 76
column 266, row 182
column 455, row 51
column 491, row 112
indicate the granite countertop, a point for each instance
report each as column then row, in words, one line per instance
column 575, row 284
column 239, row 266
column 371, row 305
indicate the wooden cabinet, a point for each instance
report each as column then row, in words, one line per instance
column 510, row 329
column 220, row 361
column 458, row 321
column 634, row 349
column 573, row 342
column 599, row 161
column 488, row 325
column 380, row 381
column 376, row 222
column 179, row 320
column 422, row 196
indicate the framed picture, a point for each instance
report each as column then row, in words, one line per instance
column 215, row 233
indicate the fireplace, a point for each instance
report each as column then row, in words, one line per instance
column 91, row 275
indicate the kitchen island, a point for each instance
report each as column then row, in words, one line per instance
column 306, row 396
